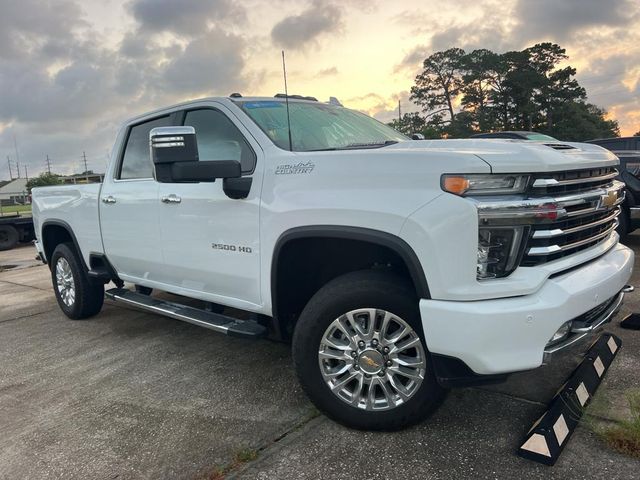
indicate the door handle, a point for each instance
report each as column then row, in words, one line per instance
column 108, row 199
column 171, row 199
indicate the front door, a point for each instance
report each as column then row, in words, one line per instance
column 210, row 242
column 129, row 208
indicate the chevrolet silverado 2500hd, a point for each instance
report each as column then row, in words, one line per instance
column 397, row 268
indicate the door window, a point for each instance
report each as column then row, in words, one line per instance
column 136, row 161
column 219, row 139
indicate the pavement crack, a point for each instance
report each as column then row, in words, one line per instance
column 24, row 316
column 232, row 472
column 514, row 397
column 15, row 284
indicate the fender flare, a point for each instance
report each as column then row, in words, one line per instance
column 67, row 227
column 378, row 237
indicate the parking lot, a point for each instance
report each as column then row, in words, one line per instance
column 132, row 395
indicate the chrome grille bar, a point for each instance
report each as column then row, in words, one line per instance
column 552, row 182
column 536, row 251
column 556, row 232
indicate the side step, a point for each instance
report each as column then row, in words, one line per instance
column 212, row 321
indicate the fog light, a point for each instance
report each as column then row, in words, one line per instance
column 562, row 333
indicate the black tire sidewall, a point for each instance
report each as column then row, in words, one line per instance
column 350, row 292
column 13, row 237
column 89, row 295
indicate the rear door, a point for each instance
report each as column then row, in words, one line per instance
column 210, row 242
column 129, row 208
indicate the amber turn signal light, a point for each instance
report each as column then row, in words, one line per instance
column 455, row 184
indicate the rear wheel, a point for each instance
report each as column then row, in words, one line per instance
column 78, row 295
column 360, row 356
column 8, row 237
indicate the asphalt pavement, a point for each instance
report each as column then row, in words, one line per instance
column 130, row 395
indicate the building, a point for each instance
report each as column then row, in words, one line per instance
column 14, row 192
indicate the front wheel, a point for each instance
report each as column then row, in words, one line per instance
column 79, row 296
column 360, row 356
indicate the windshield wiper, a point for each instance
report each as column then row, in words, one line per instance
column 354, row 146
column 368, row 145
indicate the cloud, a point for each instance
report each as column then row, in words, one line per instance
column 561, row 19
column 186, row 17
column 327, row 72
column 413, row 59
column 205, row 70
column 48, row 28
column 296, row 31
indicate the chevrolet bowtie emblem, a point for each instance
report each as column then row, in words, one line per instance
column 609, row 199
column 369, row 361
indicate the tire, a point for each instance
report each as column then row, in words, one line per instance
column 86, row 296
column 8, row 237
column 380, row 292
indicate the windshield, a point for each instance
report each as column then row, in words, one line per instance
column 538, row 136
column 318, row 126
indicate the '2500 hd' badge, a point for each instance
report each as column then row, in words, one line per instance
column 231, row 248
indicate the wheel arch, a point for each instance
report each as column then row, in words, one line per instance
column 55, row 232
column 359, row 236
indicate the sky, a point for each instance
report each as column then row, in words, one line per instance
column 71, row 71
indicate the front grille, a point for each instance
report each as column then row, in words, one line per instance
column 589, row 214
column 587, row 319
column 572, row 181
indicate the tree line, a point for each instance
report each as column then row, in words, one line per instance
column 462, row 93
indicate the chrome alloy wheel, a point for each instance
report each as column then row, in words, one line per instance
column 64, row 282
column 372, row 359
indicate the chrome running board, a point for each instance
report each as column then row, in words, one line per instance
column 212, row 321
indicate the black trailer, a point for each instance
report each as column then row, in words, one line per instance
column 15, row 229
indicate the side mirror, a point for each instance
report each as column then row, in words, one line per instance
column 417, row 136
column 174, row 152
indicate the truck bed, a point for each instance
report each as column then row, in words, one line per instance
column 73, row 205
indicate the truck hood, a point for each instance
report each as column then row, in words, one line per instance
column 513, row 156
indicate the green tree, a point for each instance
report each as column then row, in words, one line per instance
column 411, row 123
column 524, row 90
column 480, row 79
column 439, row 83
column 43, row 180
column 579, row 121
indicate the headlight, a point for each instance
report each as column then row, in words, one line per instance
column 499, row 251
column 484, row 184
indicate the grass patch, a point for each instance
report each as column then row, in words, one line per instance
column 624, row 435
column 239, row 458
column 13, row 209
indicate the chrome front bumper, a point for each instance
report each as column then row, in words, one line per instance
column 581, row 329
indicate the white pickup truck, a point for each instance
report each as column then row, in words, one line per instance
column 397, row 268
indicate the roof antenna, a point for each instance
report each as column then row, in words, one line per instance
column 286, row 99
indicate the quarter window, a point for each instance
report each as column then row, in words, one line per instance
column 219, row 139
column 136, row 161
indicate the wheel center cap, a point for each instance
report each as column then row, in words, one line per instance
column 371, row 361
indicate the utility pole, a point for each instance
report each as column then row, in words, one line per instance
column 15, row 146
column 399, row 112
column 86, row 169
column 48, row 165
column 26, row 175
column 10, row 172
